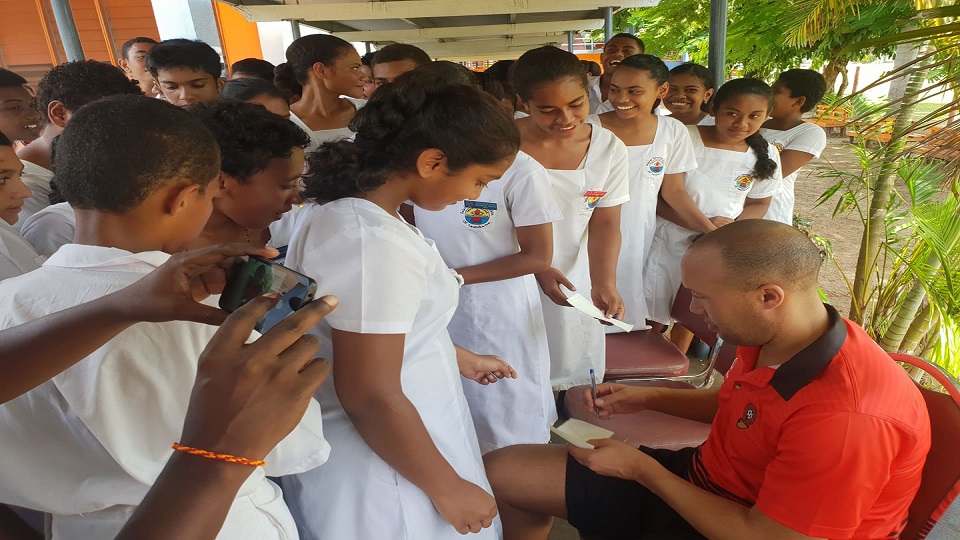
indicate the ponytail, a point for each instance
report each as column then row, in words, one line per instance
column 285, row 80
column 765, row 167
column 402, row 120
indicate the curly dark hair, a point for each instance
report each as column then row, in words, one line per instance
column 77, row 83
column 184, row 53
column 402, row 120
column 249, row 135
column 116, row 151
column 804, row 82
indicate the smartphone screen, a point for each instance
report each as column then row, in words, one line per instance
column 252, row 277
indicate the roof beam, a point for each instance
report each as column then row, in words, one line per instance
column 411, row 9
column 489, row 46
column 424, row 35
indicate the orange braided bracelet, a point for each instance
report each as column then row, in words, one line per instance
column 222, row 457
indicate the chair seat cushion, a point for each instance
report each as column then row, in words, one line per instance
column 643, row 353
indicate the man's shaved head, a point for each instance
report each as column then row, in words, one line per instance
column 760, row 251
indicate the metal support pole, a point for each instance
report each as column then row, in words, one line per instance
column 570, row 40
column 295, row 27
column 717, row 56
column 68, row 29
column 366, row 44
column 608, row 23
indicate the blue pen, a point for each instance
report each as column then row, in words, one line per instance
column 593, row 389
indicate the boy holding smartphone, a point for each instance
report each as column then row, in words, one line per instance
column 102, row 430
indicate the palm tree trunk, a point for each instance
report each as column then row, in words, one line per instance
column 874, row 230
column 919, row 329
column 905, row 317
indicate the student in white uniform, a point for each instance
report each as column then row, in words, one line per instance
column 19, row 121
column 261, row 164
column 617, row 48
column 497, row 241
column 795, row 92
column 688, row 98
column 89, row 443
column 16, row 255
column 405, row 463
column 61, row 91
column 50, row 229
column 587, row 166
column 328, row 68
column 660, row 154
column 738, row 172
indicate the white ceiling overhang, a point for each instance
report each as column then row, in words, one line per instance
column 449, row 29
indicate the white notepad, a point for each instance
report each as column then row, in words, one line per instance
column 586, row 306
column 578, row 432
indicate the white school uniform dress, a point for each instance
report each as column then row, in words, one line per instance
column 320, row 136
column 504, row 317
column 38, row 179
column 50, row 228
column 576, row 340
column 389, row 280
column 671, row 152
column 90, row 442
column 719, row 186
column 16, row 255
column 806, row 137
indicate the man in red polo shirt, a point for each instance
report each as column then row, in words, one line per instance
column 816, row 432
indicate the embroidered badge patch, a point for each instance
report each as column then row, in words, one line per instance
column 748, row 418
column 655, row 165
column 743, row 182
column 593, row 197
column 477, row 214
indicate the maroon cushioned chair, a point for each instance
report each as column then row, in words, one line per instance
column 940, row 483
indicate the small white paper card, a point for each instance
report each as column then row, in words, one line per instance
column 578, row 432
column 586, row 306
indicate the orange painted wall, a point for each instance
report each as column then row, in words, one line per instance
column 239, row 38
column 23, row 42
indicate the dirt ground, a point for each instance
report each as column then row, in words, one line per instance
column 843, row 231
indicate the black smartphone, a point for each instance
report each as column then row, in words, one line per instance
column 254, row 276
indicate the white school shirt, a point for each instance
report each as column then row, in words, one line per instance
column 38, row 179
column 806, row 137
column 671, row 152
column 50, row 228
column 389, row 280
column 576, row 340
column 719, row 186
column 504, row 317
column 320, row 136
column 16, row 255
column 594, row 95
column 90, row 442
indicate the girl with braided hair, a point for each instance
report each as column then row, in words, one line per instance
column 405, row 461
column 738, row 173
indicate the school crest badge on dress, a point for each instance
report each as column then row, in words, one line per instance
column 592, row 198
column 655, row 165
column 748, row 418
column 477, row 214
column 778, row 146
column 743, row 182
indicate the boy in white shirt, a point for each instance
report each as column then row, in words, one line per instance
column 89, row 443
column 62, row 91
column 16, row 256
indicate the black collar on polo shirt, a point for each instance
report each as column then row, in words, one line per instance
column 797, row 372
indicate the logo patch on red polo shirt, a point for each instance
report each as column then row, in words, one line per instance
column 748, row 418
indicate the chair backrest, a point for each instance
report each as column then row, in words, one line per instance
column 940, row 483
column 696, row 324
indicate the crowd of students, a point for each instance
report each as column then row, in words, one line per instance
column 450, row 213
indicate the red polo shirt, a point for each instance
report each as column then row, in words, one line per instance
column 830, row 443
